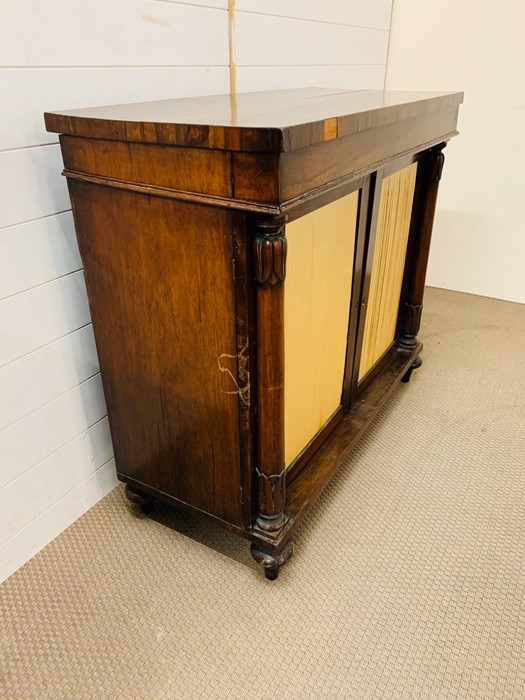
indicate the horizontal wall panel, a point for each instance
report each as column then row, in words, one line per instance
column 37, row 252
column 40, row 433
column 120, row 32
column 276, row 41
column 31, row 185
column 219, row 4
column 30, row 495
column 32, row 538
column 41, row 376
column 30, row 320
column 373, row 13
column 27, row 93
column 268, row 78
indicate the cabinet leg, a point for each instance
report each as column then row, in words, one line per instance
column 144, row 500
column 272, row 560
column 417, row 363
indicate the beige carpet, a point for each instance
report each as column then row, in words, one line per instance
column 408, row 579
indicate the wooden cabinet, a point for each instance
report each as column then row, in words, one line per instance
column 255, row 268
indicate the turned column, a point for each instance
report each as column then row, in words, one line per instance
column 270, row 269
column 269, row 253
column 419, row 247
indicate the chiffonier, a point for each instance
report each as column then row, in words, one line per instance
column 255, row 267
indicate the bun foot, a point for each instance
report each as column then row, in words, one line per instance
column 143, row 500
column 415, row 365
column 271, row 572
column 272, row 560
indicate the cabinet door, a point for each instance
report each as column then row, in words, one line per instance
column 386, row 259
column 317, row 296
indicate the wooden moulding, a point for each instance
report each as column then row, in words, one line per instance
column 265, row 122
column 269, row 183
column 309, row 168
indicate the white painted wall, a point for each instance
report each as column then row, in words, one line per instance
column 479, row 47
column 56, row 457
column 55, row 448
column 302, row 43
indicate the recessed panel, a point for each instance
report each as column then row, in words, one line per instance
column 316, row 312
column 393, row 224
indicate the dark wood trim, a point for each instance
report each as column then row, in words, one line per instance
column 413, row 288
column 293, row 208
column 321, row 197
column 315, row 443
column 413, row 236
column 306, row 169
column 204, row 137
column 313, row 133
column 287, row 205
column 400, row 163
column 363, row 216
column 246, row 361
column 269, row 262
column 375, row 197
column 168, row 193
column 192, row 122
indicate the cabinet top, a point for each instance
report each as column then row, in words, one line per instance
column 272, row 122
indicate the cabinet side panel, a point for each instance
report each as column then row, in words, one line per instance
column 393, row 224
column 160, row 286
column 316, row 312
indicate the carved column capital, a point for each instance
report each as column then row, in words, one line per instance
column 412, row 322
column 437, row 162
column 271, row 495
column 269, row 250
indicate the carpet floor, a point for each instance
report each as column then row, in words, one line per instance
column 408, row 579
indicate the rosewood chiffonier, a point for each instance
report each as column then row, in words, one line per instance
column 255, row 266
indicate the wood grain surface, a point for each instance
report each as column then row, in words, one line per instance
column 161, row 293
column 247, row 271
column 272, row 121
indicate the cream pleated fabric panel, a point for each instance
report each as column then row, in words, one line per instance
column 316, row 311
column 393, row 224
